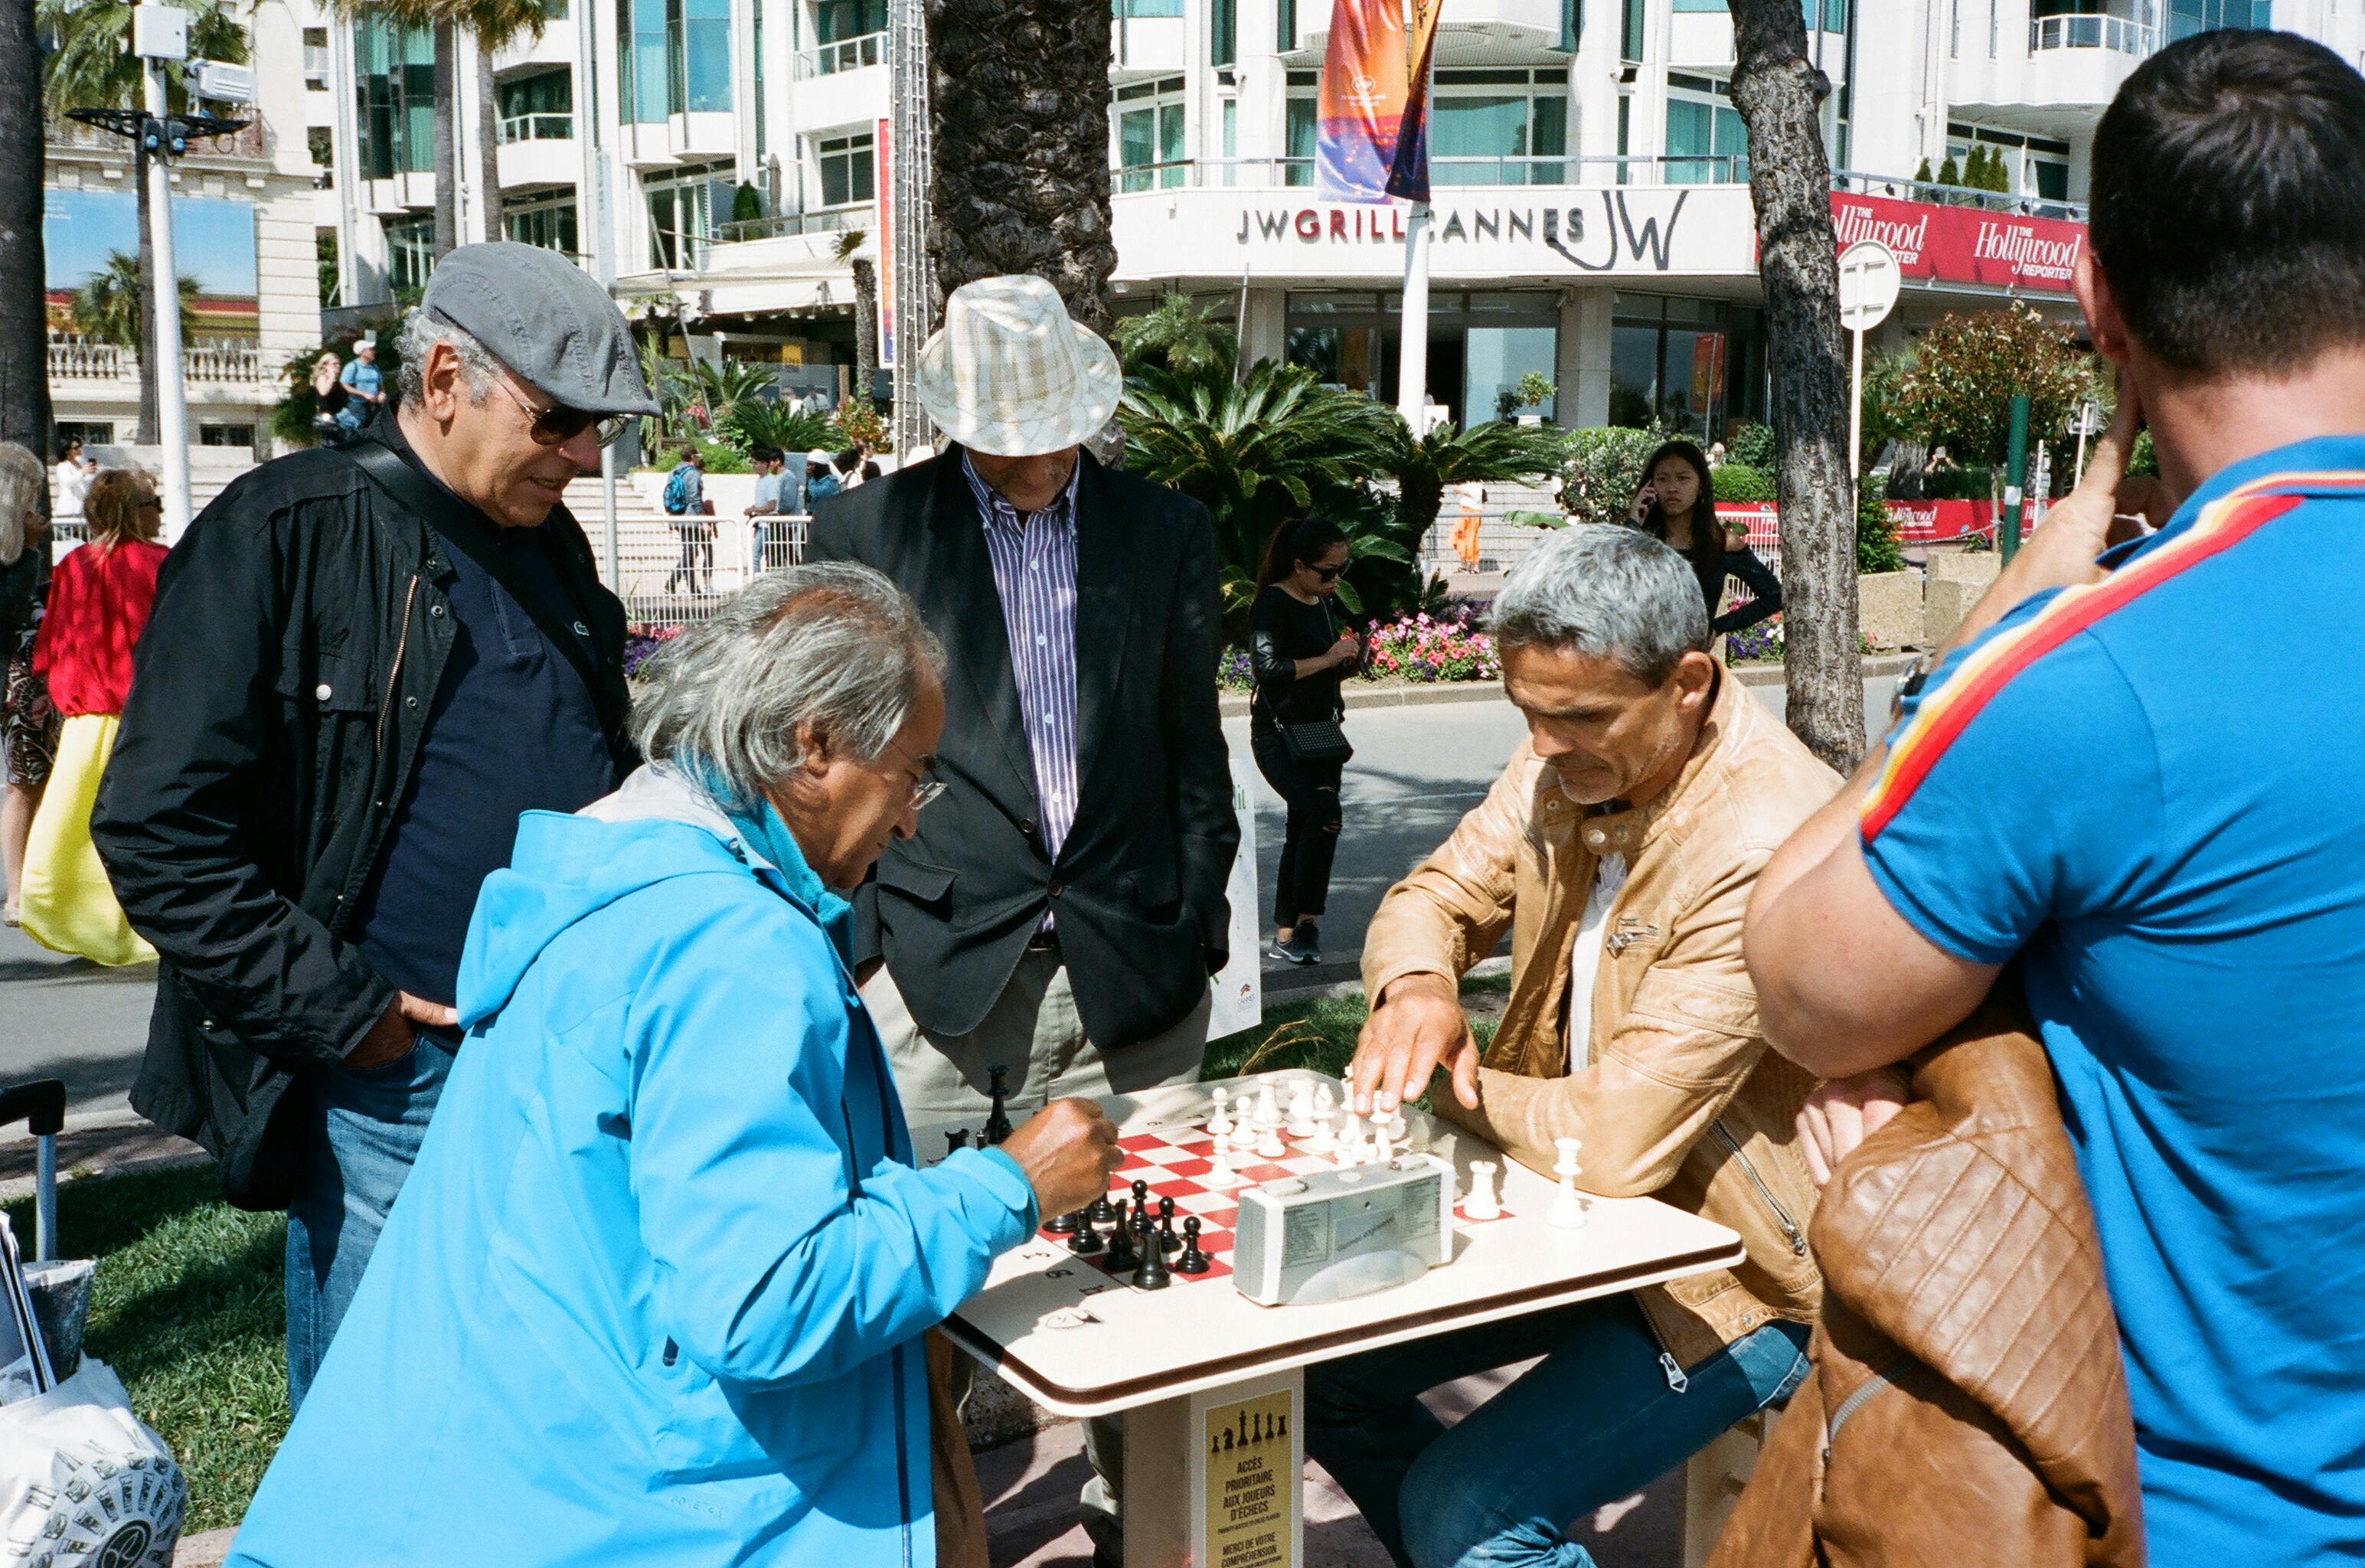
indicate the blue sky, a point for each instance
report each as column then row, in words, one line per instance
column 213, row 238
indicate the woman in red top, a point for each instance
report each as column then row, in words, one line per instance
column 100, row 597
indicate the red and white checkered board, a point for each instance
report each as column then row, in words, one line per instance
column 1174, row 1162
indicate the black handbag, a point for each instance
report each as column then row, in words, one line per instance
column 1317, row 740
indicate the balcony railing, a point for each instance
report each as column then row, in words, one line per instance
column 1957, row 195
column 827, row 220
column 548, row 126
column 2126, row 35
column 1451, row 173
column 845, row 54
column 76, row 358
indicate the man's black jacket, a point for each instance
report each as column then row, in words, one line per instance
column 278, row 699
column 1138, row 885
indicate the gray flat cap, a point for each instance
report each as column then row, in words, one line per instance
column 542, row 316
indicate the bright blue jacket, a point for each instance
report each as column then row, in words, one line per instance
column 654, row 1292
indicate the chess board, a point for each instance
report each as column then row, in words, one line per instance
column 1175, row 1162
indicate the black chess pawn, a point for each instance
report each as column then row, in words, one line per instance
column 1064, row 1225
column 1102, row 1211
column 956, row 1141
column 1167, row 1240
column 1151, row 1274
column 1121, row 1254
column 1140, row 1197
column 997, row 1118
column 1192, row 1261
column 1084, row 1241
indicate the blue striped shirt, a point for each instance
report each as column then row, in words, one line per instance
column 1035, row 573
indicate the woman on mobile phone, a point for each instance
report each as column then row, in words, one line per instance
column 1677, row 503
column 1300, row 657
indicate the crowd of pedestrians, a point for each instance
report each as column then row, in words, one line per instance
column 2021, row 1062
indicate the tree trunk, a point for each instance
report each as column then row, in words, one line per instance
column 1019, row 106
column 1779, row 96
column 446, row 140
column 151, row 422
column 489, row 117
column 865, row 322
column 24, row 327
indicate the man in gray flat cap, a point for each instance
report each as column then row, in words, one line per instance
column 362, row 665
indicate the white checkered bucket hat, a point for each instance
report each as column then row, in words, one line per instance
column 1011, row 375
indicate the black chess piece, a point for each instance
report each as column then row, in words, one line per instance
column 1167, row 1240
column 997, row 1117
column 1121, row 1254
column 956, row 1141
column 1140, row 1197
column 1102, row 1211
column 1151, row 1273
column 1063, row 1224
column 1192, row 1261
column 1085, row 1242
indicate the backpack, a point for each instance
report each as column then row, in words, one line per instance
column 677, row 489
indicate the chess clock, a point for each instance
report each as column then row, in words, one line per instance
column 1335, row 1233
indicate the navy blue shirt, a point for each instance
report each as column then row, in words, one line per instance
column 513, row 729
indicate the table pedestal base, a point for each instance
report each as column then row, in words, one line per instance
column 1217, row 1479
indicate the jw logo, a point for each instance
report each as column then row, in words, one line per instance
column 1254, row 1429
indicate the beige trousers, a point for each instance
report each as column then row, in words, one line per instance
column 1033, row 1033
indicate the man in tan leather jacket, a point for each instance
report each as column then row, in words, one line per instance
column 1618, row 849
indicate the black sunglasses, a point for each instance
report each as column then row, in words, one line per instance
column 1330, row 574
column 557, row 426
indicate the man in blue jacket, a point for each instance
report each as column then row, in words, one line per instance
column 655, row 1290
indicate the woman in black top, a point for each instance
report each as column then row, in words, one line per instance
column 1299, row 657
column 1677, row 503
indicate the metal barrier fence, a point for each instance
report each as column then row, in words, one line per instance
column 684, row 574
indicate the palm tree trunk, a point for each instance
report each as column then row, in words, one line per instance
column 488, row 143
column 151, row 424
column 24, row 331
column 1779, row 96
column 447, row 166
column 1019, row 100
column 865, row 322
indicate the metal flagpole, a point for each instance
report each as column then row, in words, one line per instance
column 913, row 278
column 172, row 401
column 1412, row 353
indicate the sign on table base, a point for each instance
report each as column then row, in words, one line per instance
column 1250, row 1460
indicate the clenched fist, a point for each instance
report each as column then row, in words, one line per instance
column 1067, row 1149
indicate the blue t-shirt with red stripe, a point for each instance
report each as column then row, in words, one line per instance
column 2149, row 789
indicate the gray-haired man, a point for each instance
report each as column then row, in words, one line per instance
column 362, row 665
column 1617, row 850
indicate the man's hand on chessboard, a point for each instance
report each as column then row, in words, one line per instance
column 1417, row 1026
column 1068, row 1150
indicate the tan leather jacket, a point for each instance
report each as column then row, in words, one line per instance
column 1969, row 1401
column 1680, row 1098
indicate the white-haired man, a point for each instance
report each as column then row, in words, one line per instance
column 362, row 665
column 1618, row 849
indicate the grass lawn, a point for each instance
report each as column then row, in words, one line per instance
column 188, row 1308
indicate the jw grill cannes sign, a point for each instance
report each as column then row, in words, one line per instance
column 1576, row 233
column 1961, row 245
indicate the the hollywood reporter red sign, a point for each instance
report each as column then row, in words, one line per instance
column 1961, row 245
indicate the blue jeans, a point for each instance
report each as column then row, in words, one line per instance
column 1596, row 1419
column 366, row 1137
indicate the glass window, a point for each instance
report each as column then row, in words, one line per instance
column 1223, row 32
column 1285, row 28
column 648, row 76
column 845, row 170
column 410, row 251
column 679, row 223
column 316, row 57
column 837, row 19
column 1699, row 5
column 1630, row 34
column 1494, row 359
column 394, row 72
column 1705, row 143
column 1489, row 139
column 1149, row 146
column 1134, row 10
column 2052, row 179
column 1299, row 141
column 706, row 49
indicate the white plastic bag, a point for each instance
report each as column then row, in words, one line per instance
column 83, row 1482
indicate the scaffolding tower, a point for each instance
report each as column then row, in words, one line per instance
column 912, row 279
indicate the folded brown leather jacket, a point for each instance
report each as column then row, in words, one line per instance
column 1967, row 1402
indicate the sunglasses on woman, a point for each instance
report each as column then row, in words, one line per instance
column 1330, row 574
column 557, row 426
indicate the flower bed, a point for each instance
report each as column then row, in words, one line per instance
column 1424, row 647
column 639, row 642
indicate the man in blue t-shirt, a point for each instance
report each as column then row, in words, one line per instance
column 2134, row 778
column 365, row 385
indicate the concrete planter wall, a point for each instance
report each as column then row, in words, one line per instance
column 1957, row 579
column 1889, row 608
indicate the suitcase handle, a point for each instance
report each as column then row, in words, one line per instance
column 42, row 1105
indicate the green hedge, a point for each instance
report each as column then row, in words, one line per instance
column 1739, row 482
column 1958, row 485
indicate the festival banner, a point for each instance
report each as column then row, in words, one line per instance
column 1363, row 102
column 1964, row 245
column 1408, row 172
column 884, row 193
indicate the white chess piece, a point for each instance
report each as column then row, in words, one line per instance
column 1269, row 1147
column 1301, row 1112
column 1220, row 1122
column 1223, row 1177
column 1481, row 1203
column 1396, row 1125
column 1244, row 1131
column 1567, row 1209
column 1325, row 1101
column 1349, row 1140
column 1320, row 1140
column 1267, row 1113
column 1380, row 1153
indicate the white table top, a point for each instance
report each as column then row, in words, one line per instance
column 1082, row 1344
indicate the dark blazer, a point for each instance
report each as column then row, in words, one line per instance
column 1138, row 884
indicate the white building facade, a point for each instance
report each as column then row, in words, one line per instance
column 1594, row 222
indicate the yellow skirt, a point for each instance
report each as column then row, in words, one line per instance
column 68, row 905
